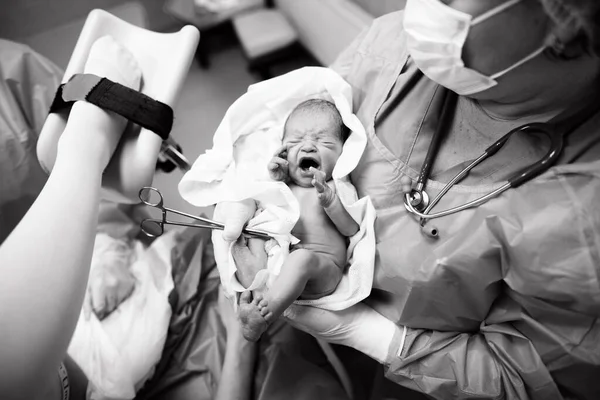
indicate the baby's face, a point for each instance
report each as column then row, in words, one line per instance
column 312, row 141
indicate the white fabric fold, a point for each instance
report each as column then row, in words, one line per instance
column 236, row 168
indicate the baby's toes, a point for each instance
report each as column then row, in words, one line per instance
column 257, row 299
column 268, row 316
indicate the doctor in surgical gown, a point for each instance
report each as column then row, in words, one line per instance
column 505, row 302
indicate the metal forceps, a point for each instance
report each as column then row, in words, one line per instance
column 155, row 227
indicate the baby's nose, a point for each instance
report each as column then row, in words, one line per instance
column 308, row 147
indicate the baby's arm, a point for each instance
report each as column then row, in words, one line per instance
column 278, row 166
column 333, row 206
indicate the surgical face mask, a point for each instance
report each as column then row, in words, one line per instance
column 436, row 34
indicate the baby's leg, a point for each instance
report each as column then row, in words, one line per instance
column 101, row 129
column 301, row 267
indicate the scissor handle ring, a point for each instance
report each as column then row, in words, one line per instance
column 151, row 232
column 146, row 199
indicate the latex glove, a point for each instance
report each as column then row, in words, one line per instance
column 359, row 327
column 235, row 215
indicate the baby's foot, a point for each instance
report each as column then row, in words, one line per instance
column 265, row 311
column 325, row 194
column 254, row 323
column 108, row 59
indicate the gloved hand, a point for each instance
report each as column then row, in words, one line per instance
column 235, row 215
column 359, row 327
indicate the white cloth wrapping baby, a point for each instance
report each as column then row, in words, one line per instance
column 236, row 169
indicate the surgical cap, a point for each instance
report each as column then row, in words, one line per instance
column 582, row 15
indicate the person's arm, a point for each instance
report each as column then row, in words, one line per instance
column 240, row 356
column 333, row 206
column 238, row 369
column 341, row 218
column 44, row 262
column 44, row 265
column 496, row 363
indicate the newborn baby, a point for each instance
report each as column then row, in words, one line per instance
column 313, row 137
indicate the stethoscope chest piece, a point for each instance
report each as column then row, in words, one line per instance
column 419, row 200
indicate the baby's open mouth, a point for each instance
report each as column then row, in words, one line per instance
column 307, row 162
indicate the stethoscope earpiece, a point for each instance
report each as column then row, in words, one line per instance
column 430, row 231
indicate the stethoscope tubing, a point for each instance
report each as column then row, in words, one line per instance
column 425, row 215
column 556, row 146
column 555, row 130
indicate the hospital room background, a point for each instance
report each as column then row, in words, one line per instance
column 306, row 32
column 242, row 42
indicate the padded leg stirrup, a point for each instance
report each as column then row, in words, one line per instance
column 108, row 95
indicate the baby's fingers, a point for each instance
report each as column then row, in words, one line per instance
column 318, row 185
column 281, row 152
column 278, row 163
column 318, row 179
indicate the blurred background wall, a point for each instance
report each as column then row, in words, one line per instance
column 24, row 18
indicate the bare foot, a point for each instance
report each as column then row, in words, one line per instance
column 96, row 127
column 265, row 311
column 325, row 193
column 254, row 324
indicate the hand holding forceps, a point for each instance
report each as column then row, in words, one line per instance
column 155, row 227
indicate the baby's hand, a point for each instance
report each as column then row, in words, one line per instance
column 278, row 166
column 325, row 193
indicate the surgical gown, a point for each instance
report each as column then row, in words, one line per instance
column 505, row 303
column 28, row 82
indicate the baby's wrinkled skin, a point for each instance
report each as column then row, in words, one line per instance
column 312, row 144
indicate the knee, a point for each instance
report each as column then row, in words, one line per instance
column 308, row 262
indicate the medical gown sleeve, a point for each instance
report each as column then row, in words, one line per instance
column 540, row 337
column 496, row 363
column 343, row 63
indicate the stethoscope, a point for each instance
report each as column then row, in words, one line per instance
column 418, row 202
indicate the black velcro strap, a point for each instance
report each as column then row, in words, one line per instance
column 58, row 104
column 131, row 104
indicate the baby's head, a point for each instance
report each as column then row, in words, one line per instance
column 314, row 134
